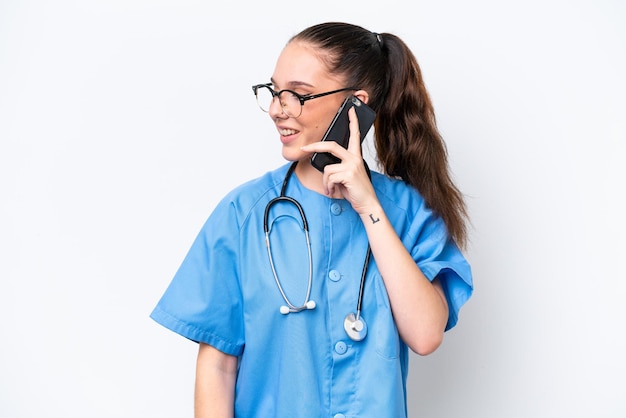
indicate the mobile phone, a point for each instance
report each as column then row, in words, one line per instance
column 339, row 129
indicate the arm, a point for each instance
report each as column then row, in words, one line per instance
column 216, row 373
column 419, row 307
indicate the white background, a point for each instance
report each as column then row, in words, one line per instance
column 122, row 122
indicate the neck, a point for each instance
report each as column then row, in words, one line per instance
column 311, row 178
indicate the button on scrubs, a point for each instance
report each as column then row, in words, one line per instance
column 304, row 364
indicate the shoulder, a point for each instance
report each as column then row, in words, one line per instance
column 395, row 193
column 245, row 197
column 407, row 210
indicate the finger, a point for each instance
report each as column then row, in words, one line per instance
column 323, row 146
column 354, row 145
column 329, row 186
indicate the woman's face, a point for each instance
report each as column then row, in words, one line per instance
column 299, row 69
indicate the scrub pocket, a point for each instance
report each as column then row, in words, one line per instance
column 383, row 325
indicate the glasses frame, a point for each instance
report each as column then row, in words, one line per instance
column 301, row 98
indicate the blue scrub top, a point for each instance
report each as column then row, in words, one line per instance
column 303, row 364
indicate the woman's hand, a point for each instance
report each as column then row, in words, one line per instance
column 350, row 176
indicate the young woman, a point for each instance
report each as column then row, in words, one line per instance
column 306, row 289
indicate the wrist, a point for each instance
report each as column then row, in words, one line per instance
column 372, row 214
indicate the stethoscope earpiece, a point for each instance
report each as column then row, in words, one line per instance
column 308, row 305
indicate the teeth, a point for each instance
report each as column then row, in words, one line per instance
column 286, row 132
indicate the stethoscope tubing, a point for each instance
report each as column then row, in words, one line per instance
column 291, row 306
column 355, row 326
column 366, row 263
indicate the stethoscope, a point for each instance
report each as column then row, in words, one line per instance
column 354, row 324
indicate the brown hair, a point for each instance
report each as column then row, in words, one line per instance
column 408, row 143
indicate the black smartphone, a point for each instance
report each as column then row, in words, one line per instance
column 339, row 129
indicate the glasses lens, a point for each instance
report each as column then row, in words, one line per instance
column 264, row 98
column 289, row 101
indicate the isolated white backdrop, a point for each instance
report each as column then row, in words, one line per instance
column 122, row 122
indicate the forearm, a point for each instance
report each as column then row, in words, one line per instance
column 215, row 383
column 419, row 307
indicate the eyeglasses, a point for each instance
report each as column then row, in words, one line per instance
column 290, row 101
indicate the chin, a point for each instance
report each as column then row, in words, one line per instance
column 293, row 155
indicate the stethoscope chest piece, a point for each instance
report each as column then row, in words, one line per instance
column 356, row 328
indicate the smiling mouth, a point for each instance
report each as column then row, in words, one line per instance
column 287, row 132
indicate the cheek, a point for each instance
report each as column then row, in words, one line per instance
column 319, row 131
column 317, row 126
column 322, row 125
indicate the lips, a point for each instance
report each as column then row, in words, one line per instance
column 287, row 132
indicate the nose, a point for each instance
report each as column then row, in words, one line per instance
column 276, row 109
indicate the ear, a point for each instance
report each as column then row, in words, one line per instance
column 362, row 95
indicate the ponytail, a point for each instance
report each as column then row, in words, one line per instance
column 408, row 143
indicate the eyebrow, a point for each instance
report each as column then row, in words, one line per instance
column 294, row 84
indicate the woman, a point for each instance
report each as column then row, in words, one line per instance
column 285, row 324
